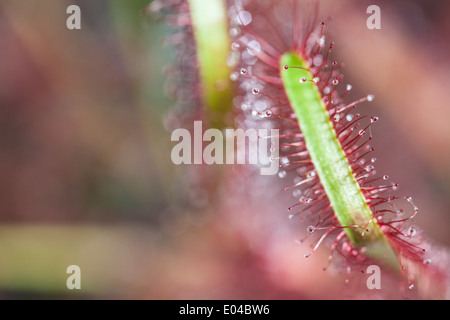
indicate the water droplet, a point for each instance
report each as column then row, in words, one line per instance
column 291, row 216
column 412, row 231
column 427, row 261
column 282, row 174
column 321, row 41
column 253, row 47
column 349, row 117
column 244, row 18
column 307, row 255
column 335, row 82
column 297, row 193
column 370, row 97
column 395, row 187
column 268, row 113
column 373, row 119
column 326, row 90
column 309, row 200
column 234, row 32
column 373, row 160
column 244, row 71
column 310, row 229
column 369, row 168
column 255, row 91
column 302, row 80
column 409, row 199
column 318, row 60
column 286, row 67
column 316, row 80
column 234, row 76
column 361, row 132
column 235, row 46
column 156, row 6
column 349, row 87
column 385, row 177
column 337, row 117
column 334, row 62
column 411, row 286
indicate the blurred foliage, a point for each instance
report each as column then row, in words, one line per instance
column 81, row 138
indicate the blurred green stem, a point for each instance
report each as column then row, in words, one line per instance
column 210, row 25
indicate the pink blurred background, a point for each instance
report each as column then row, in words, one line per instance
column 86, row 176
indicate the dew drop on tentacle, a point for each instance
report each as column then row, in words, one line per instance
column 318, row 60
column 253, row 47
column 337, row 117
column 244, row 18
column 234, row 32
column 282, row 174
column 370, row 97
column 297, row 193
column 310, row 229
column 321, row 41
column 244, row 71
column 234, row 76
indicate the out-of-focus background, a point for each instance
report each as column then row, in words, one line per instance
column 86, row 176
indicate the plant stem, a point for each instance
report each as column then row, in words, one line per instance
column 330, row 162
column 210, row 25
